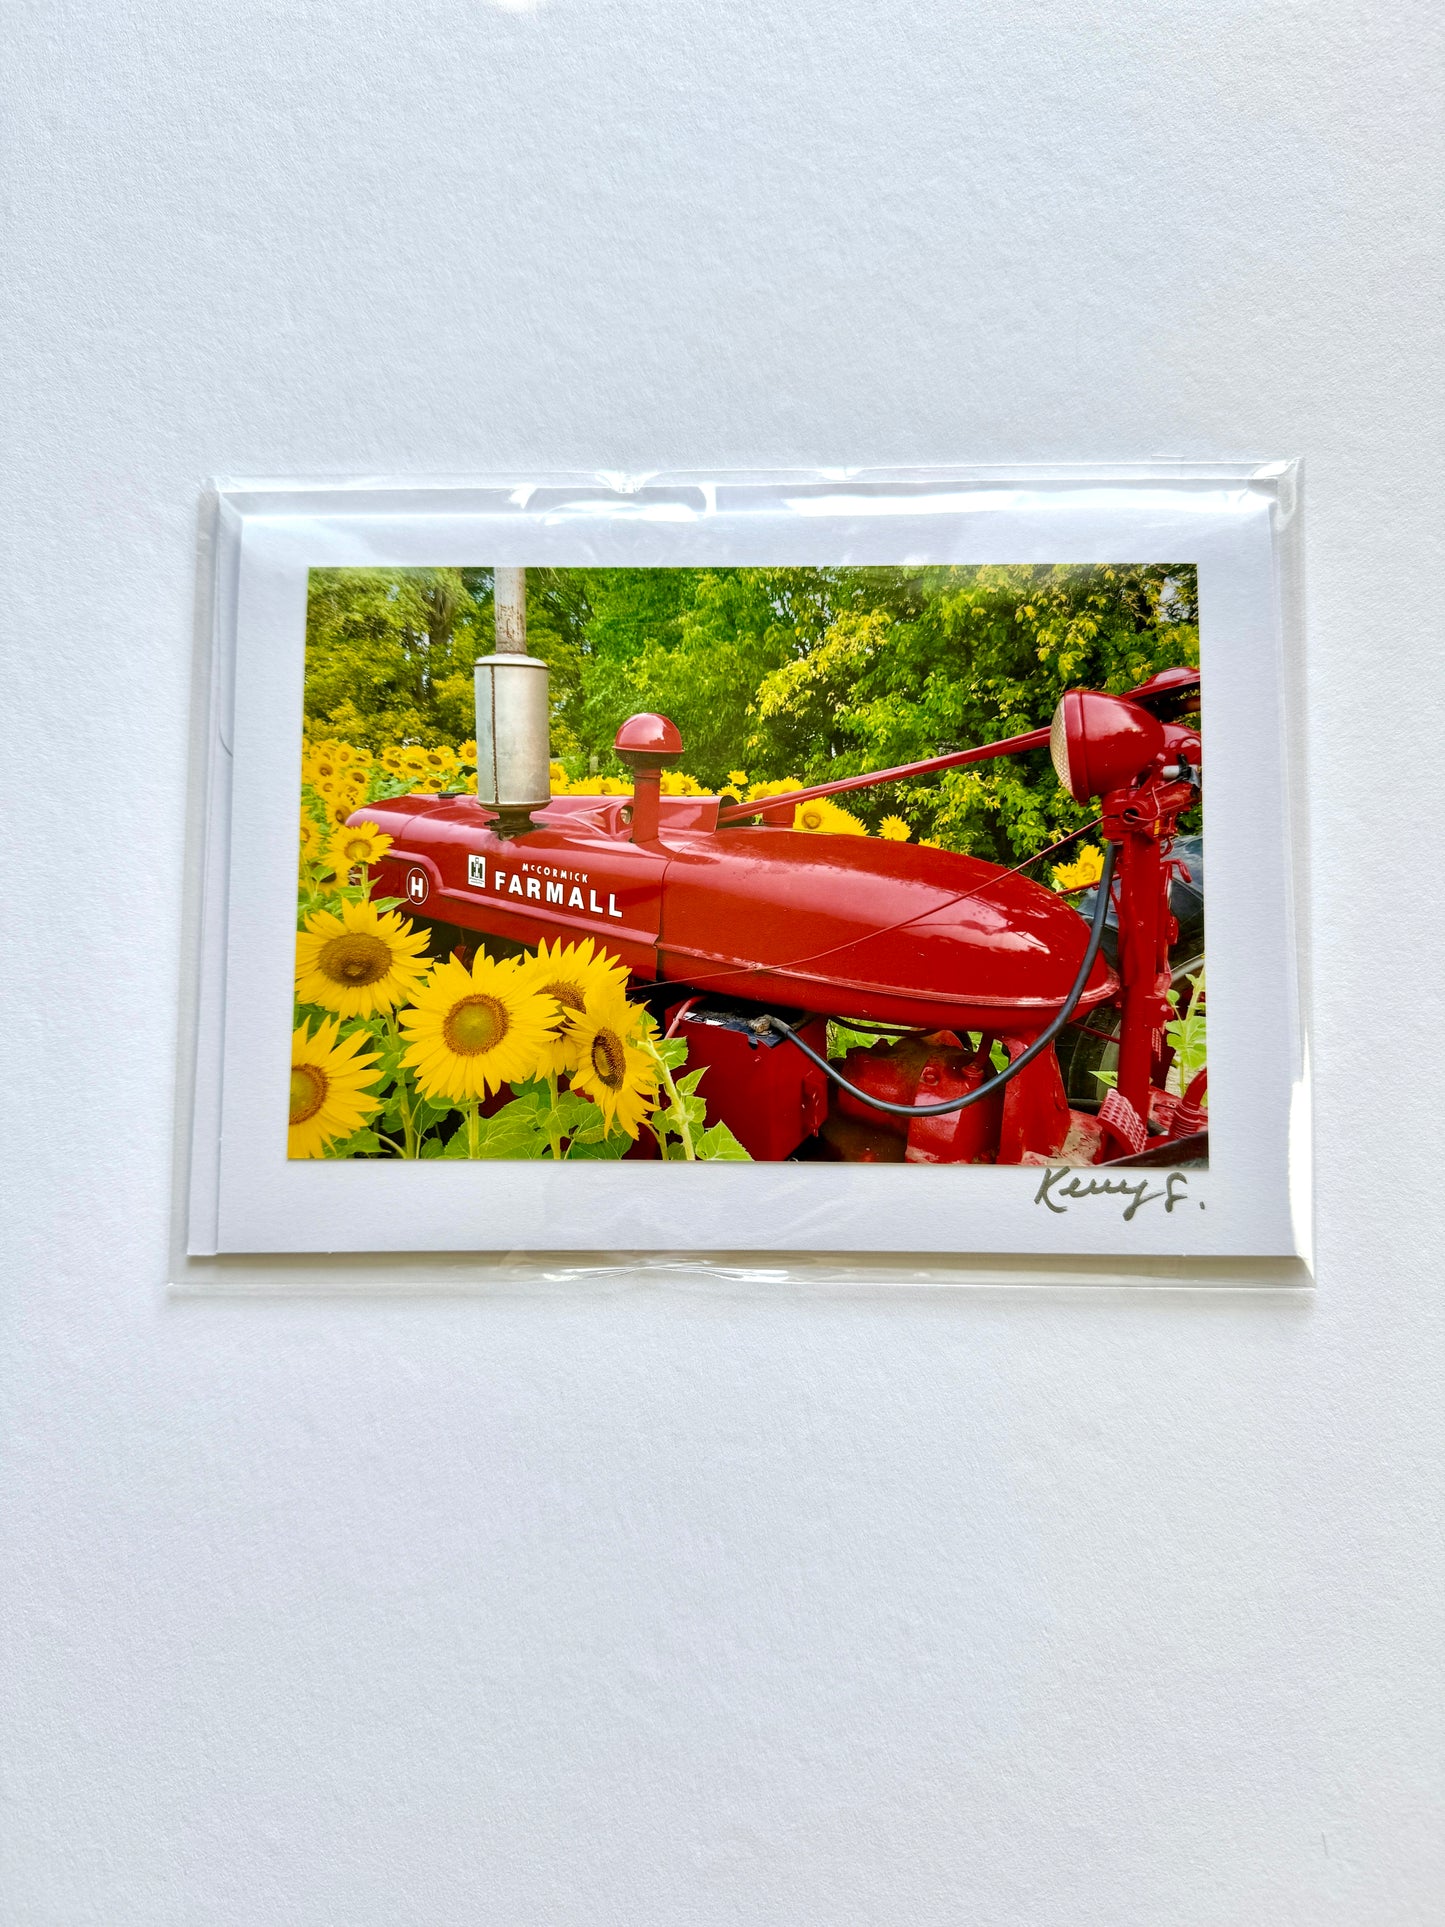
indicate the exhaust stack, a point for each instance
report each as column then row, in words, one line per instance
column 513, row 715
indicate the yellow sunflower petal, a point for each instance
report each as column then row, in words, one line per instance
column 469, row 1031
column 570, row 973
column 1083, row 873
column 823, row 817
column 618, row 1077
column 330, row 1098
column 360, row 963
column 358, row 843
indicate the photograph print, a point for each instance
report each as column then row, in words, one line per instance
column 872, row 865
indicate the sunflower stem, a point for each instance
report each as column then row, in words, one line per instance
column 471, row 1108
column 403, row 1095
column 554, row 1137
column 684, row 1130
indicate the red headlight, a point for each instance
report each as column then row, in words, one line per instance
column 1099, row 742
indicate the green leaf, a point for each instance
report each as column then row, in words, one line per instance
column 693, row 1111
column 1188, row 1036
column 587, row 1145
column 842, row 1038
column 510, row 1133
column 718, row 1142
column 427, row 1111
column 578, row 1118
column 509, row 1139
column 575, row 1111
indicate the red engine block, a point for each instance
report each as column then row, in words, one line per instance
column 1028, row 1121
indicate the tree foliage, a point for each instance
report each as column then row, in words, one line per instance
column 806, row 673
column 389, row 653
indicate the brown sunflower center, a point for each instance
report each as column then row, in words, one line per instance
column 812, row 819
column 356, row 849
column 609, row 1059
column 354, row 960
column 475, row 1025
column 567, row 995
column 308, row 1091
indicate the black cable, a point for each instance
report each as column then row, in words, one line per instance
column 1027, row 1056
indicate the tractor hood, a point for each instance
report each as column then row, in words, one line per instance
column 858, row 927
column 847, row 926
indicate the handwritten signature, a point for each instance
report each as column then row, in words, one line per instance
column 1073, row 1184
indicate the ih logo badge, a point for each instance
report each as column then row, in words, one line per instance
column 417, row 885
column 477, row 871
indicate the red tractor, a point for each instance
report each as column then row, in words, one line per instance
column 746, row 936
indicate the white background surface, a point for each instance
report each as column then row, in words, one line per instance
column 657, row 1607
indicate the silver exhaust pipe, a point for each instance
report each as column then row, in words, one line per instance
column 514, row 715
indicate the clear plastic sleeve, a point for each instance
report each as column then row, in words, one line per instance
column 889, row 1048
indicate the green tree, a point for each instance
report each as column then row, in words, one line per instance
column 807, row 673
column 981, row 654
column 389, row 653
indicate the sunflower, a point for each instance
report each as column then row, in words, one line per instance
column 440, row 760
column 676, row 783
column 346, row 756
column 413, row 761
column 310, row 838
column 893, row 829
column 390, row 758
column 329, row 1098
column 321, row 767
column 467, row 751
column 361, row 962
column 1082, row 874
column 823, row 817
column 470, row 1031
column 358, row 843
column 570, row 973
column 738, row 778
column 556, row 771
column 611, row 1070
column 779, row 788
